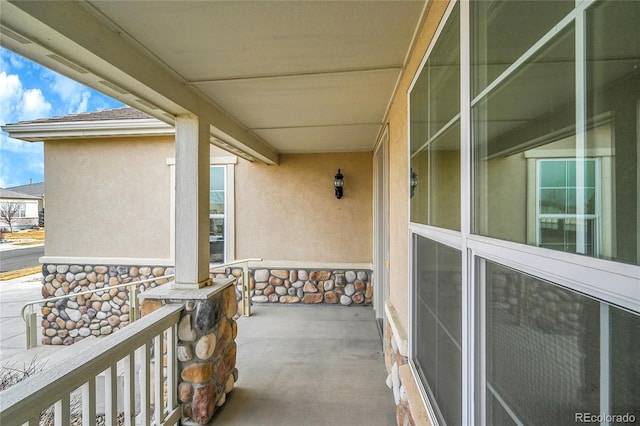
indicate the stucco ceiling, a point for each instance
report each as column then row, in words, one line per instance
column 300, row 76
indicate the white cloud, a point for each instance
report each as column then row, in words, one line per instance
column 34, row 105
column 74, row 95
column 17, row 104
column 14, row 145
column 10, row 96
column 16, row 61
column 84, row 103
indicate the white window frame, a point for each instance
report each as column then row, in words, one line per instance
column 608, row 281
column 578, row 216
column 230, row 244
column 223, row 215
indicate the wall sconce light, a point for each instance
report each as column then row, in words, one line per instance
column 413, row 182
column 338, row 182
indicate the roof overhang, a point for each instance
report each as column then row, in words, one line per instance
column 37, row 132
column 269, row 77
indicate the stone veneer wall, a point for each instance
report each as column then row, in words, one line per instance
column 393, row 360
column 206, row 349
column 67, row 321
column 306, row 286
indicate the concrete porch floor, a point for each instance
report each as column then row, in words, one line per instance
column 309, row 366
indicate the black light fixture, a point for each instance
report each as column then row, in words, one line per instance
column 338, row 182
column 413, row 182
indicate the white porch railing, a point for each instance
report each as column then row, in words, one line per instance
column 246, row 291
column 23, row 403
column 30, row 317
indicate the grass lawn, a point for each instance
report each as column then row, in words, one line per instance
column 25, row 236
column 4, row 276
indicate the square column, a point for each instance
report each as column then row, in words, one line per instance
column 192, row 202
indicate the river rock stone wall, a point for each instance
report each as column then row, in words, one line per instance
column 67, row 321
column 306, row 286
column 206, row 352
column 534, row 302
column 393, row 360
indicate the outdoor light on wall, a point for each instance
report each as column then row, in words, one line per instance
column 338, row 182
column 413, row 182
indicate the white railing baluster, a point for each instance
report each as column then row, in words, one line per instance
column 111, row 395
column 158, row 379
column 89, row 402
column 62, row 411
column 172, row 367
column 23, row 403
column 144, row 354
column 129, row 397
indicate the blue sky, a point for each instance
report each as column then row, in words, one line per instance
column 29, row 91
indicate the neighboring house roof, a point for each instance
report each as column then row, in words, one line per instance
column 123, row 113
column 35, row 189
column 13, row 195
column 125, row 121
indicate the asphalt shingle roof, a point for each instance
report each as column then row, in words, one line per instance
column 7, row 193
column 35, row 189
column 124, row 113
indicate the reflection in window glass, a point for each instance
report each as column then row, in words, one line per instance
column 515, row 125
column 438, row 310
column 562, row 223
column 545, row 355
column 613, row 96
column 216, row 213
column 436, row 198
column 625, row 362
column 504, row 30
column 435, row 132
column 575, row 192
column 216, row 190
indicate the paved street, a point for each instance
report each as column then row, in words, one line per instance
column 19, row 257
column 13, row 295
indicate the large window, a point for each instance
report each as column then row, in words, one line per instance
column 544, row 103
column 435, row 200
column 435, row 133
column 438, row 308
column 17, row 209
column 524, row 136
column 553, row 354
column 217, row 211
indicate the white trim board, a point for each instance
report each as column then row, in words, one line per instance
column 298, row 264
column 125, row 261
column 36, row 132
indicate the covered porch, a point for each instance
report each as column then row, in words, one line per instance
column 312, row 365
column 292, row 93
column 301, row 365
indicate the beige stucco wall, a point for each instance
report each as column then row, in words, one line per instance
column 509, row 224
column 436, row 199
column 289, row 212
column 108, row 197
column 399, row 169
